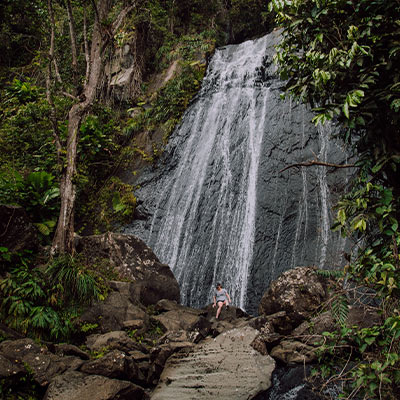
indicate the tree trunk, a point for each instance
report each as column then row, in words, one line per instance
column 63, row 241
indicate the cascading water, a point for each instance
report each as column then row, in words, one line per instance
column 219, row 210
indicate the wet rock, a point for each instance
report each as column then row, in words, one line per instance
column 298, row 292
column 135, row 261
column 290, row 383
column 16, row 229
column 76, row 385
column 226, row 367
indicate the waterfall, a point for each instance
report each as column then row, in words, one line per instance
column 219, row 210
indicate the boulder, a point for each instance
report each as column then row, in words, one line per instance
column 298, row 292
column 114, row 312
column 74, row 385
column 160, row 354
column 9, row 368
column 134, row 261
column 226, row 367
column 293, row 383
column 115, row 364
column 113, row 340
column 219, row 327
column 292, row 352
column 363, row 317
column 25, row 353
column 228, row 314
column 266, row 339
column 16, row 229
column 66, row 349
column 310, row 332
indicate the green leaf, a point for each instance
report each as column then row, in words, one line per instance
column 346, row 109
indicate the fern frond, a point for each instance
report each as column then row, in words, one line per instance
column 340, row 309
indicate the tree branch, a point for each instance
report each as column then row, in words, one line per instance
column 96, row 12
column 121, row 16
column 320, row 163
column 53, row 112
column 86, row 44
column 72, row 36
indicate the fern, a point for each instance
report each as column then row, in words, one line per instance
column 78, row 282
column 340, row 309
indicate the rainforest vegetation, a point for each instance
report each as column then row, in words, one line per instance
column 343, row 57
column 67, row 129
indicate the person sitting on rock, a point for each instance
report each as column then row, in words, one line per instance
column 221, row 297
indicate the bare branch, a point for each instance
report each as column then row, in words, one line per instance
column 320, row 163
column 71, row 96
column 53, row 113
column 86, row 44
column 72, row 36
column 121, row 16
column 96, row 12
column 52, row 36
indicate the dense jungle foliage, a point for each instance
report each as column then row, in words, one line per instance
column 343, row 57
column 46, row 58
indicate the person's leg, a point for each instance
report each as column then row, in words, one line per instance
column 220, row 304
column 226, row 304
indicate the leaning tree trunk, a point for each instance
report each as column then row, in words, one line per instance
column 63, row 241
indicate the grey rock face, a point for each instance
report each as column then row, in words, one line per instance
column 226, row 367
column 131, row 257
column 218, row 208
